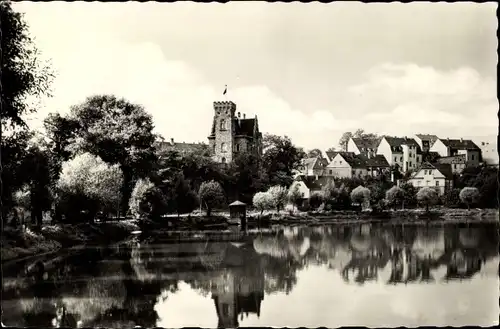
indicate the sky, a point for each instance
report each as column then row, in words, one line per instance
column 309, row 71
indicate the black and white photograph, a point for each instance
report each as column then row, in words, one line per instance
column 249, row 164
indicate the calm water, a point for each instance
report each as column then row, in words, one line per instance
column 302, row 276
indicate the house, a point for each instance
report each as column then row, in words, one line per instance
column 347, row 165
column 232, row 134
column 364, row 146
column 314, row 166
column 377, row 165
column 403, row 153
column 457, row 162
column 425, row 141
column 438, row 176
column 489, row 153
column 449, row 147
column 307, row 185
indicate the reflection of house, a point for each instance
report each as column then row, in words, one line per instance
column 448, row 147
column 236, row 294
column 309, row 184
column 438, row 176
column 457, row 162
column 405, row 153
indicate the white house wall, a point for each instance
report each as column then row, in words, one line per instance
column 440, row 148
column 302, row 188
column 429, row 178
column 351, row 147
column 385, row 149
column 338, row 167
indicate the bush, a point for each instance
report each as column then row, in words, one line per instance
column 394, row 196
column 315, row 200
column 469, row 196
column 141, row 186
column 278, row 196
column 153, row 203
column 427, row 196
column 295, row 196
column 263, row 201
column 361, row 195
column 452, row 198
column 211, row 195
column 409, row 194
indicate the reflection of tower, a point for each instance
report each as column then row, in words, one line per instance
column 236, row 293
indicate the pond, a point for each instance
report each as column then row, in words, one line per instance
column 365, row 275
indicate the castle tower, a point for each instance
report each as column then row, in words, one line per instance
column 221, row 141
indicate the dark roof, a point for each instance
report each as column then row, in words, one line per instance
column 366, row 143
column 314, row 163
column 460, row 158
column 315, row 184
column 396, row 143
column 354, row 160
column 377, row 161
column 444, row 168
column 182, row 147
column 242, row 127
column 427, row 137
column 460, row 144
column 331, row 155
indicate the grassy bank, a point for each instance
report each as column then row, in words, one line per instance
column 19, row 243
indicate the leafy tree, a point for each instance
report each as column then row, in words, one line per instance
column 117, row 131
column 394, row 196
column 182, row 199
column 262, row 201
column 409, row 193
column 469, row 196
column 89, row 184
column 280, row 158
column 279, row 196
column 361, row 195
column 295, row 196
column 427, row 196
column 315, row 200
column 23, row 72
column 452, row 197
column 153, row 203
column 360, row 133
column 244, row 177
column 314, row 153
column 140, row 188
column 331, row 149
column 211, row 195
column 344, row 140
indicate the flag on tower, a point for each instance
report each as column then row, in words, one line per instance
column 225, row 90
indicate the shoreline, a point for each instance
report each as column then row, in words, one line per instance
column 18, row 245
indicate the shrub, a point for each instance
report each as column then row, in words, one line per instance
column 278, row 196
column 153, row 203
column 211, row 195
column 394, row 196
column 141, row 186
column 315, row 200
column 262, row 201
column 427, row 196
column 361, row 195
column 295, row 196
column 409, row 194
column 469, row 196
column 452, row 197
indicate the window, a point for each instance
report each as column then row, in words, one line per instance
column 223, row 147
column 455, row 166
column 225, row 309
column 418, row 183
column 330, row 171
column 223, row 160
column 222, row 124
column 340, row 162
column 401, row 159
column 437, row 183
column 237, row 147
column 472, row 156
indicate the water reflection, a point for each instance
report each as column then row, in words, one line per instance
column 123, row 286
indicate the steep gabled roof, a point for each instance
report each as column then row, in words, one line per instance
column 354, row 160
column 366, row 143
column 314, row 163
column 182, row 147
column 426, row 137
column 378, row 161
column 443, row 168
column 460, row 144
column 331, row 155
column 396, row 143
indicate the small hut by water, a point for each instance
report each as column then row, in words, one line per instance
column 238, row 211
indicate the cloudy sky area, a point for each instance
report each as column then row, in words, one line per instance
column 310, row 71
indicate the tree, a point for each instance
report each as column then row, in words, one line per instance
column 409, row 193
column 140, row 188
column 153, row 203
column 452, row 197
column 394, row 196
column 115, row 130
column 262, row 201
column 360, row 133
column 331, row 149
column 315, row 200
column 211, row 195
column 244, row 177
column 278, row 195
column 89, row 184
column 427, row 196
column 314, row 153
column 182, row 199
column 280, row 158
column 361, row 195
column 23, row 72
column 469, row 196
column 344, row 140
column 295, row 196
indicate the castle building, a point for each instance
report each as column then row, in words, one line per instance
column 232, row 134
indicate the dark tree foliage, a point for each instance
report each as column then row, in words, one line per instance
column 280, row 158
column 245, row 177
column 485, row 179
column 23, row 73
column 180, row 197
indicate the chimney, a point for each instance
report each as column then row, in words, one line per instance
column 316, row 177
column 171, row 141
column 461, row 140
column 244, row 115
column 239, row 115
